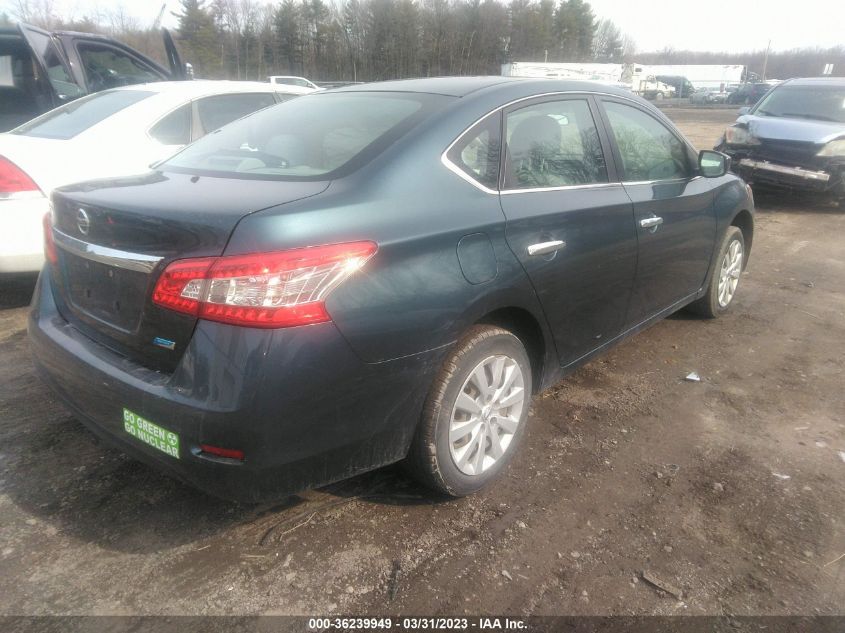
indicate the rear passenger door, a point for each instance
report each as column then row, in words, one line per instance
column 673, row 208
column 568, row 222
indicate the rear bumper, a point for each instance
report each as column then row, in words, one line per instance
column 22, row 236
column 302, row 406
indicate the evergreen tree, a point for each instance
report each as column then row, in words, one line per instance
column 198, row 37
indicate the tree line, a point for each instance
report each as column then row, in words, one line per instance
column 366, row 40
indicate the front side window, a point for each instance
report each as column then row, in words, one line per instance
column 321, row 135
column 215, row 112
column 649, row 150
column 553, row 144
column 77, row 116
column 107, row 67
column 478, row 151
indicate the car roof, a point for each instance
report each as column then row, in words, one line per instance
column 451, row 86
column 463, row 86
column 817, row 81
column 204, row 87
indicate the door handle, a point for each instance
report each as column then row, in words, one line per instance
column 651, row 223
column 544, row 248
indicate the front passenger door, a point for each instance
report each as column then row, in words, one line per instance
column 673, row 209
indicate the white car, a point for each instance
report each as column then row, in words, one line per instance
column 119, row 132
column 292, row 80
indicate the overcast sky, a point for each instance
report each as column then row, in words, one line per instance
column 706, row 25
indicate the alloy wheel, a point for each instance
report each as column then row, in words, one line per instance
column 729, row 273
column 486, row 414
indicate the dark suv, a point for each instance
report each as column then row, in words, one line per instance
column 748, row 94
column 40, row 70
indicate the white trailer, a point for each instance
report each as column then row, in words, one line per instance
column 717, row 76
column 621, row 75
column 639, row 78
column 609, row 74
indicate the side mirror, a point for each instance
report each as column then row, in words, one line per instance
column 743, row 110
column 713, row 164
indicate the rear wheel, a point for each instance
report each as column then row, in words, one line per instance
column 724, row 280
column 475, row 413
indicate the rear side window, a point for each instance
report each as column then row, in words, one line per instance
column 649, row 150
column 219, row 110
column 175, row 128
column 553, row 144
column 74, row 118
column 321, row 135
column 478, row 151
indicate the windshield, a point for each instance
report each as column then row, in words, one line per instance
column 818, row 103
column 74, row 118
column 310, row 138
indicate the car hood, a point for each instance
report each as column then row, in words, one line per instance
column 789, row 129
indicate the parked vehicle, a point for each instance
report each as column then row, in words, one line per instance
column 40, row 70
column 111, row 133
column 705, row 96
column 793, row 138
column 749, row 94
column 377, row 273
column 653, row 89
column 302, row 82
column 326, row 85
column 681, row 85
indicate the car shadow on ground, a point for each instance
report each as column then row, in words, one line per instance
column 16, row 290
column 60, row 474
column 771, row 201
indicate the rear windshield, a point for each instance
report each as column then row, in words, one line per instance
column 816, row 103
column 313, row 137
column 74, row 118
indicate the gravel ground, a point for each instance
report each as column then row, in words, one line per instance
column 728, row 492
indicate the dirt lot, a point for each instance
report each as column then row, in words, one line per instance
column 731, row 489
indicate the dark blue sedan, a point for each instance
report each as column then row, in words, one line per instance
column 378, row 273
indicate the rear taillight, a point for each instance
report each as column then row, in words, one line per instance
column 49, row 244
column 270, row 290
column 13, row 179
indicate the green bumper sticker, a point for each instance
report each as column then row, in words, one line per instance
column 150, row 433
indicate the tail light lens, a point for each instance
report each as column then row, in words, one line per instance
column 13, row 179
column 49, row 244
column 270, row 290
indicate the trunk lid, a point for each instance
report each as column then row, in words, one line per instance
column 114, row 238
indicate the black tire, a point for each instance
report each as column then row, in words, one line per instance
column 430, row 460
column 709, row 306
